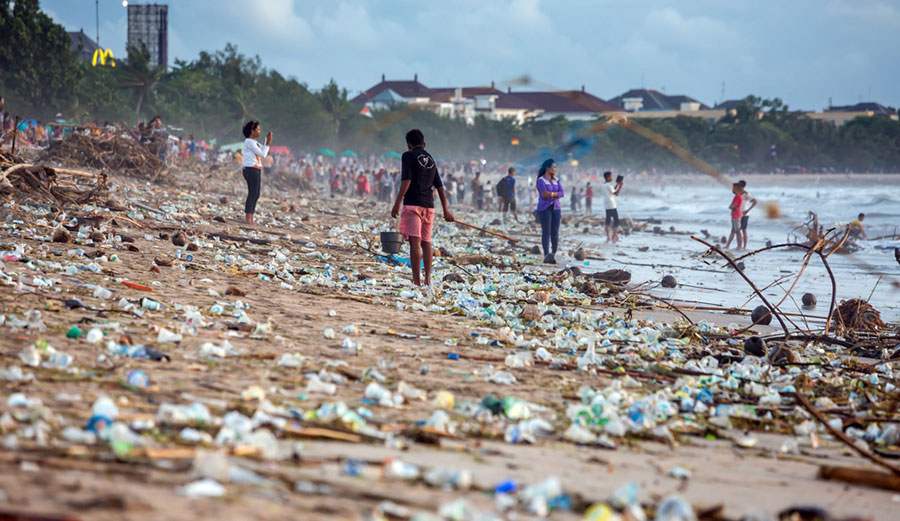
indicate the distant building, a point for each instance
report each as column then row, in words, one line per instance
column 148, row 25
column 875, row 109
column 839, row 115
column 83, row 46
column 641, row 100
column 467, row 103
column 410, row 91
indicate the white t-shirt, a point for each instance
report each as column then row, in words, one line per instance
column 251, row 156
column 745, row 205
column 609, row 195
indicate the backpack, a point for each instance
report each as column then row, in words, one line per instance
column 502, row 187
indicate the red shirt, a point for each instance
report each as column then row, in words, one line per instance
column 589, row 192
column 736, row 203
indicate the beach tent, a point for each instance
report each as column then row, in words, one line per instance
column 232, row 147
column 326, row 152
column 348, row 153
column 393, row 155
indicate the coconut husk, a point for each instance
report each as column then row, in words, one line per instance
column 858, row 315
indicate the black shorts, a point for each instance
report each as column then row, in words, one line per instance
column 612, row 216
column 587, row 203
column 508, row 203
column 744, row 220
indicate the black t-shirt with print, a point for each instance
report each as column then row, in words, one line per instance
column 419, row 169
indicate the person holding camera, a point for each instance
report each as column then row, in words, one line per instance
column 251, row 160
column 610, row 191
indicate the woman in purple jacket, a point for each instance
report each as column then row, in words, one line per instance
column 548, row 209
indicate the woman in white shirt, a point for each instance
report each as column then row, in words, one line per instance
column 252, row 156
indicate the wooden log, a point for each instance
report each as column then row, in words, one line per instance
column 856, row 476
column 485, row 230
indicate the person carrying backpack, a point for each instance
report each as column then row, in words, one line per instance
column 506, row 189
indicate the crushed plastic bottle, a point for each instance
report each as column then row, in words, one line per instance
column 165, row 336
column 393, row 468
column 94, row 336
column 317, row 386
column 138, row 378
column 675, row 508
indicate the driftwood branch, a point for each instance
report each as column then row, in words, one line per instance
column 734, row 265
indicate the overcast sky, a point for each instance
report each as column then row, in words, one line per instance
column 803, row 51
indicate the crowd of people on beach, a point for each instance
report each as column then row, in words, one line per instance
column 480, row 185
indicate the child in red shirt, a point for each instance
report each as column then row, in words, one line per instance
column 735, row 208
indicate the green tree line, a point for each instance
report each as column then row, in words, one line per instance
column 212, row 95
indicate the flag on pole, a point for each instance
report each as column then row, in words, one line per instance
column 366, row 112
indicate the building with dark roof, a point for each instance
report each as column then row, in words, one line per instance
column 639, row 100
column 876, row 109
column 469, row 102
column 82, row 45
column 411, row 91
column 571, row 104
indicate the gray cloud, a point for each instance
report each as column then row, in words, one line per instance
column 803, row 51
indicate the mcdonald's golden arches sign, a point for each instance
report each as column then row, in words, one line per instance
column 102, row 55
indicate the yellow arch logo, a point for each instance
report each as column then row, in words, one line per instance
column 102, row 55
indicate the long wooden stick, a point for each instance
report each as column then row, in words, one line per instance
column 505, row 237
column 870, row 478
column 839, row 434
column 740, row 272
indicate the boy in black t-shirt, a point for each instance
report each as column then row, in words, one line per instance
column 419, row 177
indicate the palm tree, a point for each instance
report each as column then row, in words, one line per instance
column 139, row 74
column 335, row 103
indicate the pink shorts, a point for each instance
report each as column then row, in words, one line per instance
column 416, row 221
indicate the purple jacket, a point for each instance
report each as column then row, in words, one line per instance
column 543, row 185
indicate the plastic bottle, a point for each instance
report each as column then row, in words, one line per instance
column 317, row 386
column 102, row 293
column 396, row 469
column 675, row 508
column 94, row 336
column 379, row 395
column 601, row 512
column 57, row 359
column 502, row 378
column 104, row 406
column 448, row 479
column 138, row 378
column 149, row 304
column 518, row 360
column 444, row 400
column 166, row 336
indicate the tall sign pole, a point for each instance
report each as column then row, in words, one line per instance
column 97, row 11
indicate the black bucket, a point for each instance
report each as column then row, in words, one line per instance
column 391, row 242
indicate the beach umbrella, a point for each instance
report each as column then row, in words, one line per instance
column 232, row 147
column 281, row 149
column 348, row 153
column 393, row 155
column 326, row 152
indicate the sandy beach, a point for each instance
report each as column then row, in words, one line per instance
column 313, row 466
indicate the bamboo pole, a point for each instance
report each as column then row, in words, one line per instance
column 496, row 234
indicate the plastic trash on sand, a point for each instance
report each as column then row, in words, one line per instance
column 202, row 488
